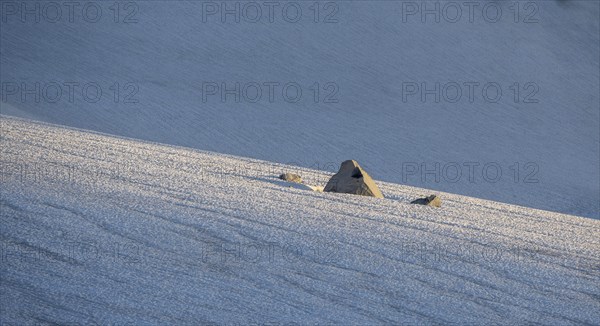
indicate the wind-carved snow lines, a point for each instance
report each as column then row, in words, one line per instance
column 219, row 229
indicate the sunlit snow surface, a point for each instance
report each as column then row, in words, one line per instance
column 161, row 53
column 105, row 230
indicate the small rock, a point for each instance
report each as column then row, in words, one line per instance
column 291, row 177
column 352, row 179
column 432, row 200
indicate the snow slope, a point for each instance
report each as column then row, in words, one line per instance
column 101, row 229
column 168, row 51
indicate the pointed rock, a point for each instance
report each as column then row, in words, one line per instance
column 352, row 179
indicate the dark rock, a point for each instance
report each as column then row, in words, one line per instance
column 432, row 200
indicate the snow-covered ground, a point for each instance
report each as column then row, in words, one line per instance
column 161, row 67
column 107, row 230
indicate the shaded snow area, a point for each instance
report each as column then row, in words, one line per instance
column 101, row 229
column 500, row 101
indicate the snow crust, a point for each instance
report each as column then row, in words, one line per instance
column 98, row 229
